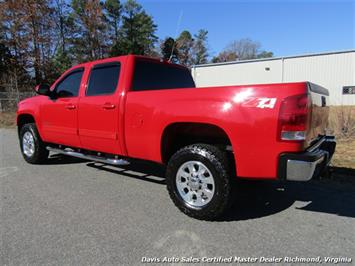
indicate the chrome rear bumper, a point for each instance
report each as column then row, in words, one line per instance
column 301, row 170
column 309, row 164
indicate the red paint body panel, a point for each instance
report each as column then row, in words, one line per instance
column 134, row 128
column 59, row 121
column 252, row 131
column 98, row 126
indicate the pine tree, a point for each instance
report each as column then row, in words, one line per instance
column 64, row 32
column 65, row 28
column 26, row 29
column 200, row 53
column 15, row 31
column 5, row 59
column 39, row 23
column 137, row 31
column 113, row 10
column 91, row 42
column 265, row 54
column 169, row 50
column 184, row 45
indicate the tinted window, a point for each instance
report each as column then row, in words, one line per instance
column 156, row 76
column 103, row 79
column 69, row 85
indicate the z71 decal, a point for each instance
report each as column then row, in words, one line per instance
column 266, row 103
column 261, row 102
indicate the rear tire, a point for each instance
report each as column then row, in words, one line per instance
column 32, row 147
column 199, row 182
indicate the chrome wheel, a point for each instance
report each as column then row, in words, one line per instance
column 195, row 183
column 28, row 144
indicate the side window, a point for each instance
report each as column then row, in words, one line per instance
column 69, row 85
column 103, row 79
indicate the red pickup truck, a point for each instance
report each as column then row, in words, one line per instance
column 138, row 107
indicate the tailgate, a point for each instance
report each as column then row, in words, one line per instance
column 319, row 112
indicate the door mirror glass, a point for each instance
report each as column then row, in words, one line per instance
column 43, row 89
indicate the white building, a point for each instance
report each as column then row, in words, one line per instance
column 334, row 71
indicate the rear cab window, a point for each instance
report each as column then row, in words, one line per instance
column 103, row 79
column 153, row 75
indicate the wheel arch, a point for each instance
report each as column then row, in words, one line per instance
column 179, row 134
column 24, row 118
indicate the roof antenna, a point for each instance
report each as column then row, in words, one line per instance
column 176, row 33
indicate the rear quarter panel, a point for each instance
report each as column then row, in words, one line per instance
column 250, row 125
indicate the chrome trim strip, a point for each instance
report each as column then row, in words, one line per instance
column 317, row 144
column 89, row 157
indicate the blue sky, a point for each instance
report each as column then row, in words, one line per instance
column 283, row 27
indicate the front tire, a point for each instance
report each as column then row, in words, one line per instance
column 32, row 147
column 199, row 182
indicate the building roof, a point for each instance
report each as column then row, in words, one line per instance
column 273, row 58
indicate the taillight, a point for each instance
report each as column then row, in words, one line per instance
column 293, row 117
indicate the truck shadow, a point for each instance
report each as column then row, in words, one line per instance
column 258, row 199
column 254, row 198
column 342, row 173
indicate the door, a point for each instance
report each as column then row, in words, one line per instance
column 99, row 111
column 59, row 113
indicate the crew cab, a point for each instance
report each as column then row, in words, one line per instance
column 135, row 107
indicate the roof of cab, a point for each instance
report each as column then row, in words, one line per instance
column 111, row 59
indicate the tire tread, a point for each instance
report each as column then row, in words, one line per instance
column 220, row 161
column 41, row 153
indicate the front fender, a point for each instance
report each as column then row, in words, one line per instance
column 30, row 106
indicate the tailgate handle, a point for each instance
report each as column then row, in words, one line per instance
column 108, row 106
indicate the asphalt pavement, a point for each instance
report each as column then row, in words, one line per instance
column 75, row 212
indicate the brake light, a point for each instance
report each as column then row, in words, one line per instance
column 294, row 117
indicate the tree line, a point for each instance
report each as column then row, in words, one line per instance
column 39, row 39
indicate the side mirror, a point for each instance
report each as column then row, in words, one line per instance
column 43, row 89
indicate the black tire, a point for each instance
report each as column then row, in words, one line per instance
column 40, row 153
column 217, row 163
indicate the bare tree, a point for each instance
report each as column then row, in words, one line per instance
column 224, row 56
column 242, row 49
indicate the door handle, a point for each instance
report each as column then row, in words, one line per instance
column 108, row 106
column 70, row 107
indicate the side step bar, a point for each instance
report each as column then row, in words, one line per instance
column 89, row 157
